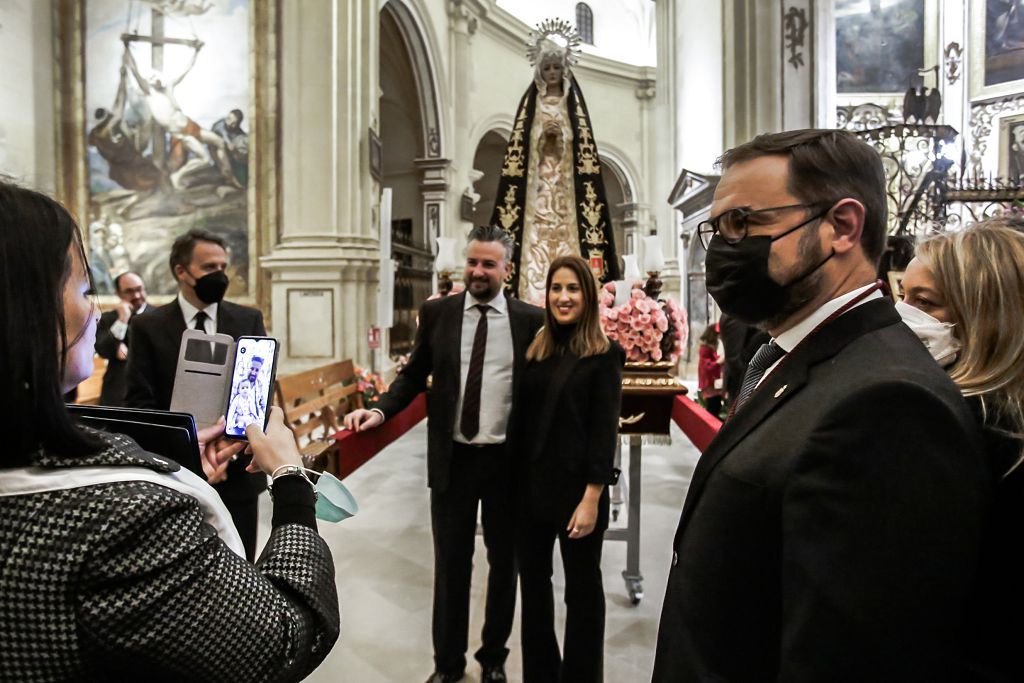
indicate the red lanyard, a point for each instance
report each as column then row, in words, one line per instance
column 878, row 285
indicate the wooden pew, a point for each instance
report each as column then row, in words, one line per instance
column 314, row 401
column 89, row 390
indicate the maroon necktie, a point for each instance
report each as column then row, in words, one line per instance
column 469, row 424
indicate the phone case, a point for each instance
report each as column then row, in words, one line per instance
column 203, row 378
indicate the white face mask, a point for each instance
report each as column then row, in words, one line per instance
column 936, row 335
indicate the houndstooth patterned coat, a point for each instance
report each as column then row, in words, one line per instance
column 125, row 581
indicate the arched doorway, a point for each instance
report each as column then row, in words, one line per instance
column 412, row 164
column 621, row 204
column 490, row 153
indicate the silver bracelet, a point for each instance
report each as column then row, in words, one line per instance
column 288, row 471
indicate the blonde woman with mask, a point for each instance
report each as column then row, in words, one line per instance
column 964, row 296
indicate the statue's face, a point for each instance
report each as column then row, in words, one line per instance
column 551, row 71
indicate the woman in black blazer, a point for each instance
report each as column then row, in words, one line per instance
column 115, row 563
column 570, row 395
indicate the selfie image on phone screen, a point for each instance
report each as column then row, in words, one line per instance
column 251, row 383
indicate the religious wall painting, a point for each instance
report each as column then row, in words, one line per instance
column 997, row 48
column 167, row 108
column 880, row 46
column 1011, row 147
column 1004, row 41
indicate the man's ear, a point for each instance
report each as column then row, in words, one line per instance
column 179, row 271
column 847, row 219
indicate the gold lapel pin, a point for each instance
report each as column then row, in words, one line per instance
column 781, row 390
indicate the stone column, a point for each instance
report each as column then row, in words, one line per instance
column 799, row 64
column 462, row 25
column 324, row 264
column 434, row 186
column 690, row 103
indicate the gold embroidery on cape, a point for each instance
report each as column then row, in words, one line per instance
column 596, row 259
column 509, row 214
column 591, row 209
column 513, row 167
column 589, row 163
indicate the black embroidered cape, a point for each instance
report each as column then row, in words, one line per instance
column 592, row 216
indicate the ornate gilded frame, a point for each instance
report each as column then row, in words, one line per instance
column 264, row 192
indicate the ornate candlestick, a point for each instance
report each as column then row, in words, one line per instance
column 653, row 286
column 444, row 282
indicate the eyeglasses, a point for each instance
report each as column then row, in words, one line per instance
column 732, row 225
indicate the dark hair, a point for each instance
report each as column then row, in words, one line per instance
column 100, row 112
column 254, row 359
column 826, row 166
column 238, row 113
column 181, row 250
column 492, row 233
column 36, row 238
column 588, row 339
column 117, row 280
column 710, row 335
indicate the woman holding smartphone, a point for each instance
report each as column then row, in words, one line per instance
column 570, row 392
column 116, row 564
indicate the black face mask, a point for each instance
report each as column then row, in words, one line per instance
column 738, row 278
column 211, row 287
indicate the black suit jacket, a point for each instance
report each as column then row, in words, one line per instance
column 112, row 393
column 831, row 529
column 153, row 361
column 436, row 353
column 569, row 410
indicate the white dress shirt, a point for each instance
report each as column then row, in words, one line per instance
column 190, row 312
column 496, row 392
column 119, row 328
column 789, row 339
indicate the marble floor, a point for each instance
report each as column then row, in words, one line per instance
column 384, row 563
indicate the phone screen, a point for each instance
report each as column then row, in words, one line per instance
column 252, row 380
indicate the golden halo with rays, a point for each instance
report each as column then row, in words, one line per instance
column 564, row 34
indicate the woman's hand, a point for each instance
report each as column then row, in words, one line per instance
column 273, row 448
column 216, row 453
column 584, row 518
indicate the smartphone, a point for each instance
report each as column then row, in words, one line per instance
column 252, row 384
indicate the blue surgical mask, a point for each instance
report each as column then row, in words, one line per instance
column 334, row 502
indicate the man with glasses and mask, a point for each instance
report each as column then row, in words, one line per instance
column 199, row 262
column 831, row 529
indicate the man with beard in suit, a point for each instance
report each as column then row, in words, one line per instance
column 198, row 261
column 461, row 340
column 112, row 341
column 831, row 530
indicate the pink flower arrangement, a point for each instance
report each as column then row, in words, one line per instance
column 646, row 329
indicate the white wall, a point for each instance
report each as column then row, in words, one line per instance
column 623, row 29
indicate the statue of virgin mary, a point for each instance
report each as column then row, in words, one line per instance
column 551, row 199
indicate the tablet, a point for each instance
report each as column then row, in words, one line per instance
column 171, row 435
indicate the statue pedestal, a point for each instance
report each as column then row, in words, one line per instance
column 647, row 393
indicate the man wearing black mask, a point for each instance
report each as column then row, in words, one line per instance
column 199, row 262
column 831, row 529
